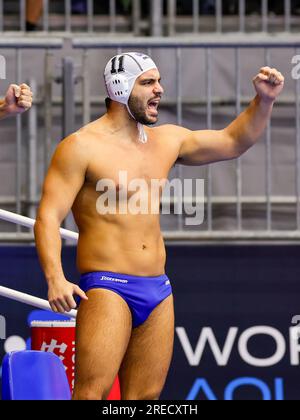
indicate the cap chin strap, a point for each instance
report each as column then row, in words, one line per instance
column 143, row 138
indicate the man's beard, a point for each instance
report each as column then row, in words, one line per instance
column 137, row 109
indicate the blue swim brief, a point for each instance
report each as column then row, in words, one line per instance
column 142, row 294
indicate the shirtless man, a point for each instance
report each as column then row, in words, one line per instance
column 125, row 321
column 17, row 100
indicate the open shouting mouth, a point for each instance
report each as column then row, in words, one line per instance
column 153, row 105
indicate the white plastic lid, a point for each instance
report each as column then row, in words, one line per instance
column 53, row 324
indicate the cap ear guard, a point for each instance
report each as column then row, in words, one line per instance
column 118, row 87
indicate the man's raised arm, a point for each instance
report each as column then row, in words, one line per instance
column 208, row 146
column 63, row 182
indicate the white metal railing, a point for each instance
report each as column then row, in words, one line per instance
column 46, row 47
column 210, row 44
column 239, row 202
column 181, row 16
column 59, row 16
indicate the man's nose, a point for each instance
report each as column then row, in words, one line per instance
column 158, row 89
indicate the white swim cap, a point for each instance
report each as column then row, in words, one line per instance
column 120, row 75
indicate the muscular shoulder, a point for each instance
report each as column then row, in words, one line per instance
column 73, row 144
column 171, row 134
column 169, row 139
column 71, row 152
column 173, row 131
column 82, row 140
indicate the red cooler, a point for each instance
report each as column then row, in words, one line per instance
column 59, row 337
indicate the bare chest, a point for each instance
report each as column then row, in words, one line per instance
column 123, row 166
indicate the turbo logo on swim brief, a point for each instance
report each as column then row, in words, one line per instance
column 104, row 278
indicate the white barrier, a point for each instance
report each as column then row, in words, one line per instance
column 23, row 297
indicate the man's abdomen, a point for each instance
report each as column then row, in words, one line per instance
column 130, row 252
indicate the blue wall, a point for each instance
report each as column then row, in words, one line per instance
column 216, row 289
